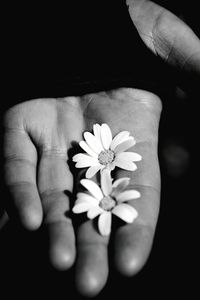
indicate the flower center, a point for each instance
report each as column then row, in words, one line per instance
column 107, row 203
column 106, row 157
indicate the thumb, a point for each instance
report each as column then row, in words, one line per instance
column 168, row 37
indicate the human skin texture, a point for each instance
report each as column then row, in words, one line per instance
column 39, row 178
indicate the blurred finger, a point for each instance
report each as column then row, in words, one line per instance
column 55, row 185
column 167, row 36
column 20, row 177
column 133, row 242
column 92, row 261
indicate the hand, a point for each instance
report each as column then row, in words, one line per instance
column 170, row 38
column 38, row 136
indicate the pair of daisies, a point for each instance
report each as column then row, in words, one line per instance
column 104, row 153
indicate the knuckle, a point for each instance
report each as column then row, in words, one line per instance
column 10, row 114
column 72, row 102
column 146, row 98
column 152, row 101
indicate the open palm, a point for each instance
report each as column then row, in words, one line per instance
column 40, row 133
column 38, row 137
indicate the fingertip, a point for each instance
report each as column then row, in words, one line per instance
column 130, row 265
column 89, row 285
column 62, row 250
column 61, row 259
column 25, row 206
column 32, row 220
column 132, row 250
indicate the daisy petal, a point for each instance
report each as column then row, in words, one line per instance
column 93, row 142
column 92, row 171
column 97, row 131
column 93, row 188
column 80, row 156
column 82, row 201
column 87, row 198
column 94, row 212
column 84, row 160
column 119, row 185
column 87, row 149
column 124, row 164
column 125, row 145
column 119, row 138
column 125, row 212
column 104, row 223
column 128, row 195
column 131, row 156
column 124, row 181
column 86, row 163
column 106, row 182
column 81, row 207
column 106, row 136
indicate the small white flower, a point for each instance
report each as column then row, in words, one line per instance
column 104, row 151
column 107, row 200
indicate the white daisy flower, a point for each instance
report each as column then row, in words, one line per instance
column 107, row 200
column 104, row 151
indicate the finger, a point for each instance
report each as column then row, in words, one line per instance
column 55, row 185
column 167, row 36
column 133, row 242
column 20, row 177
column 92, row 261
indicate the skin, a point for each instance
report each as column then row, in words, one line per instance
column 47, row 128
column 170, row 38
column 37, row 174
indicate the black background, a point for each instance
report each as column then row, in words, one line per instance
column 86, row 46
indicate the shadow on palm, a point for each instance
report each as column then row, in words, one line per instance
column 39, row 140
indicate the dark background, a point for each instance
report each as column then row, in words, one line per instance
column 87, row 46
